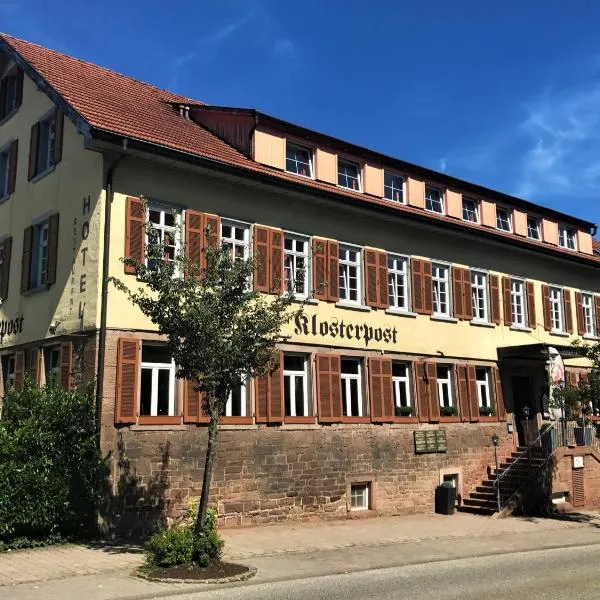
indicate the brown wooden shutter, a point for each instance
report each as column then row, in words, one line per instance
column 6, row 245
column 568, row 302
column 194, row 236
column 578, row 488
column 19, row 87
column 333, row 271
column 580, row 314
column 473, row 397
column 33, row 365
column 418, row 302
column 463, row 392
column 421, row 389
column 429, row 409
column 26, row 258
column 329, row 388
column 128, row 380
column 276, row 261
column 495, row 299
column 434, row 402
column 457, row 290
column 213, row 225
column 506, row 299
column 427, row 288
column 546, row 305
column 319, row 268
column 52, row 249
column 33, row 150
column 66, row 366
column 371, row 275
column 467, row 295
column 382, row 284
column 59, row 120
column 261, row 254
column 193, row 404
column 531, row 312
column 12, row 166
column 498, row 395
column 269, row 396
column 380, row 390
column 571, row 377
column 262, row 398
column 597, row 303
column 135, row 232
column 19, row 369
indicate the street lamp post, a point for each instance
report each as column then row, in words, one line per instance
column 495, row 442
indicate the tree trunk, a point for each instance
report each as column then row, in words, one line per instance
column 213, row 430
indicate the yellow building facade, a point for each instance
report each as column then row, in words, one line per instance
column 442, row 303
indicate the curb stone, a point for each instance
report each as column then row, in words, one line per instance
column 251, row 572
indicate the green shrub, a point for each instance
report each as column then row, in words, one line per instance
column 179, row 545
column 486, row 411
column 448, row 411
column 51, row 470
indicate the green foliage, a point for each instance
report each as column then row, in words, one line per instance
column 180, row 546
column 447, row 484
column 403, row 411
column 486, row 411
column 448, row 411
column 50, row 467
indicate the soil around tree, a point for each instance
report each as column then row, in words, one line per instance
column 222, row 571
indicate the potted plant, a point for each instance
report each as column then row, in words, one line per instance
column 448, row 411
column 445, row 498
column 403, row 411
column 486, row 411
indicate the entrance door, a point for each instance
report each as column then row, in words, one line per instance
column 525, row 409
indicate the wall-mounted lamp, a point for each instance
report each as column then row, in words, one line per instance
column 53, row 327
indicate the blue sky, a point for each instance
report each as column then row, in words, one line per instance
column 504, row 94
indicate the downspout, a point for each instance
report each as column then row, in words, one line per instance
column 104, row 294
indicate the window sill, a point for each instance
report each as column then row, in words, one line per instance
column 5, row 198
column 236, row 421
column 400, row 313
column 301, row 300
column 560, row 334
column 366, row 419
column 146, row 420
column 348, row 305
column 435, row 212
column 455, row 419
column 41, row 288
column 483, row 324
column 343, row 187
column 300, row 420
column 490, row 419
column 444, row 319
column 9, row 116
column 405, row 420
column 587, row 336
column 43, row 174
column 518, row 328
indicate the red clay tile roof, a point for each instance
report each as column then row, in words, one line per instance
column 596, row 245
column 130, row 108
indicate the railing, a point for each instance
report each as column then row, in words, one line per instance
column 512, row 479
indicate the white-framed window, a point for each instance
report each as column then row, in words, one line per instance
column 503, row 218
column 163, row 224
column 402, row 387
column 237, row 402
column 444, row 385
column 349, row 175
column 589, row 314
column 360, row 496
column 479, row 295
column 533, row 228
column 9, row 88
column 52, row 364
column 235, row 237
column 350, row 275
column 296, row 263
column 441, row 290
column 517, row 303
column 4, row 171
column 157, row 390
column 298, row 160
column 393, row 187
column 9, row 370
column 295, row 385
column 398, row 282
column 39, row 256
column 46, row 144
column 352, row 396
column 434, row 199
column 567, row 237
column 557, row 309
column 482, row 378
column 470, row 208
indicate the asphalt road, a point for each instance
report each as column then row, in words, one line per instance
column 543, row 574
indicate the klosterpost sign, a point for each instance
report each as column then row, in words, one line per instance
column 11, row 326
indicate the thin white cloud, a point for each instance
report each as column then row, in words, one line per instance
column 223, row 34
column 442, row 164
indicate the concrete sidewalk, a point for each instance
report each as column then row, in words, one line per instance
column 290, row 551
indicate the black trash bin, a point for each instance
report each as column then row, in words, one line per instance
column 445, row 499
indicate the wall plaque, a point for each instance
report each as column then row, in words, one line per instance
column 430, row 441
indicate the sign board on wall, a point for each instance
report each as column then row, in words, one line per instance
column 578, row 462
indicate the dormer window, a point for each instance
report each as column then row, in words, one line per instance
column 349, row 175
column 567, row 238
column 533, row 228
column 470, row 210
column 11, row 92
column 298, row 160
column 393, row 187
column 434, row 200
column 503, row 219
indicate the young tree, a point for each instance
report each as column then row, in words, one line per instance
column 219, row 330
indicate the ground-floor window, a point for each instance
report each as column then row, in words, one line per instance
column 237, row 403
column 482, row 377
column 295, row 386
column 401, row 386
column 157, row 393
column 445, row 391
column 360, row 496
column 352, row 398
column 8, row 370
column 52, row 364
